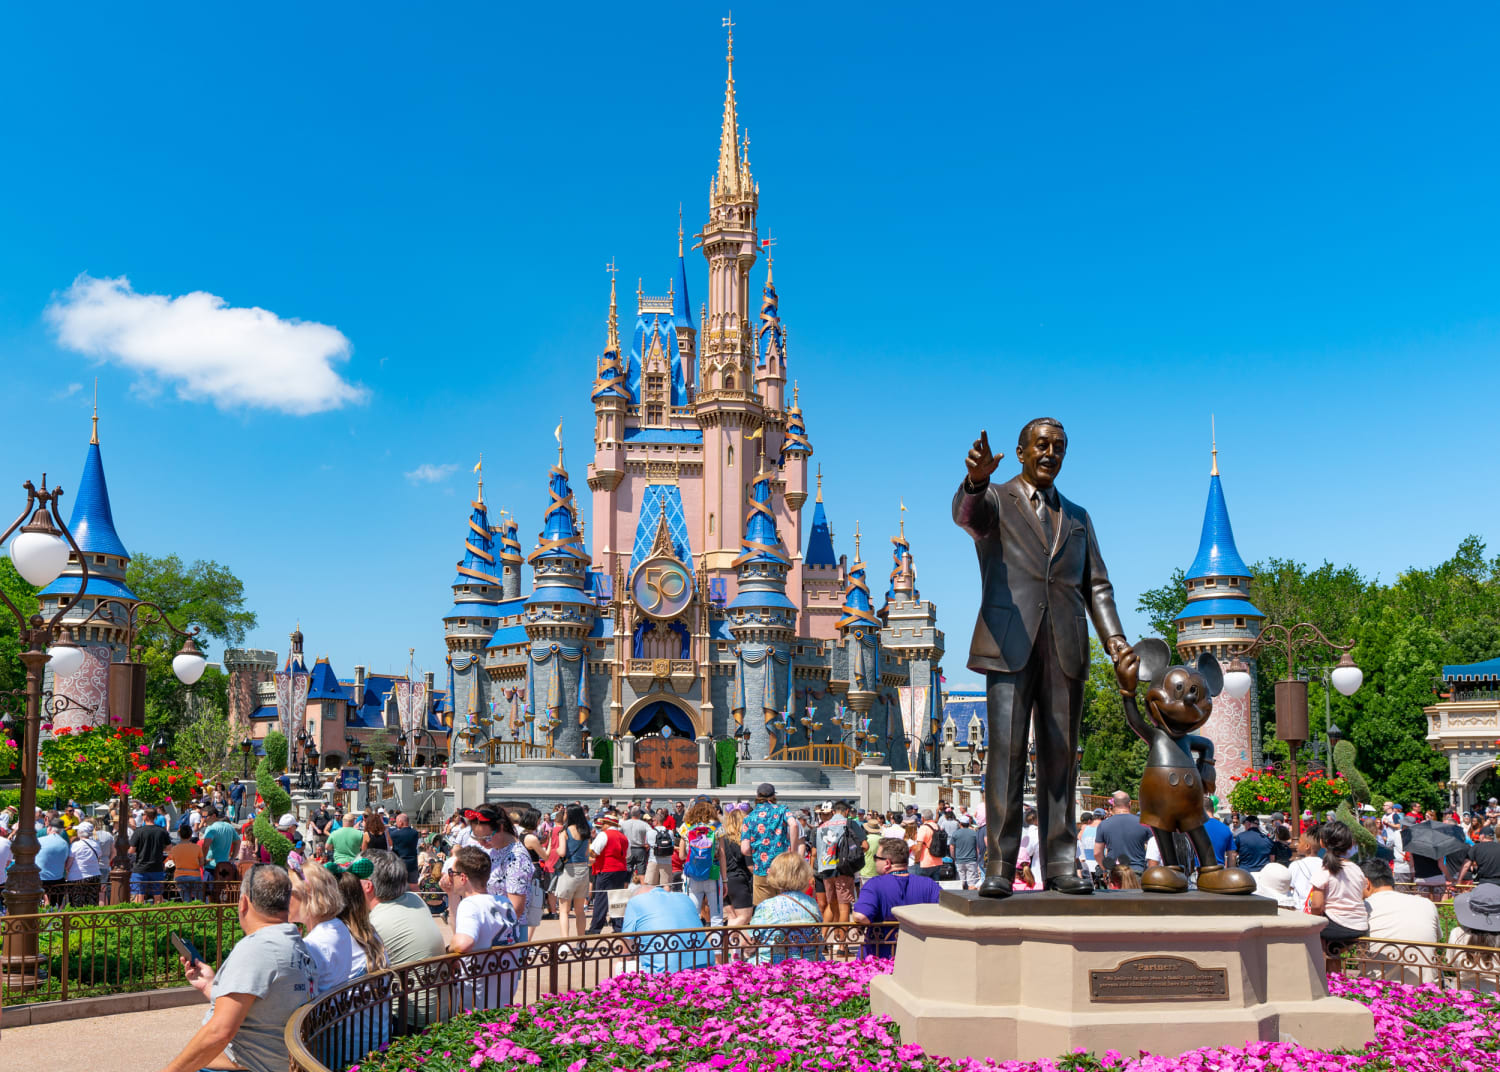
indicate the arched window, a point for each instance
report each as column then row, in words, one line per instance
column 729, row 382
column 730, row 456
column 710, row 524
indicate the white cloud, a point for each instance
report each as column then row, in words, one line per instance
column 69, row 391
column 210, row 350
column 427, row 473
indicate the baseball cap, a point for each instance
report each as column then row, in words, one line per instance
column 286, row 822
column 827, row 805
column 765, row 789
column 1100, row 813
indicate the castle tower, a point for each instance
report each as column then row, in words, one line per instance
column 104, row 639
column 795, row 450
column 762, row 621
column 856, row 658
column 469, row 624
column 1217, row 617
column 611, row 398
column 770, row 351
column 728, row 407
column 911, row 633
column 822, row 584
column 682, row 319
column 559, row 615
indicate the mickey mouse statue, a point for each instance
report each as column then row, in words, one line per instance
column 1179, row 772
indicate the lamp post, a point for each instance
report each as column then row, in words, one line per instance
column 127, row 701
column 246, row 747
column 1291, row 692
column 40, row 553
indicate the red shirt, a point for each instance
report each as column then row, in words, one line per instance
column 613, row 858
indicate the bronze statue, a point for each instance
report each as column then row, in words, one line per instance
column 1041, row 578
column 1180, row 770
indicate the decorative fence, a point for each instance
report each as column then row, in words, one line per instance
column 336, row 1030
column 90, row 952
column 829, row 755
column 510, row 751
column 89, row 893
column 1452, row 966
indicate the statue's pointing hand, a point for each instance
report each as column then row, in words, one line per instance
column 981, row 461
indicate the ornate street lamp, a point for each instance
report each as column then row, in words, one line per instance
column 246, row 747
column 1291, row 693
column 40, row 553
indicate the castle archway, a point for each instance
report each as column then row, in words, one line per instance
column 650, row 713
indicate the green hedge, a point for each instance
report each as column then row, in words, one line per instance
column 727, row 755
column 45, row 798
column 604, row 752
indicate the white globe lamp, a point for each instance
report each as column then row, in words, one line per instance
column 1347, row 677
column 65, row 657
column 1237, row 680
column 38, row 552
column 188, row 664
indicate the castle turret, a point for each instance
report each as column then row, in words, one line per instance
column 470, row 623
column 856, row 658
column 770, row 349
column 682, row 318
column 795, row 450
column 910, row 634
column 104, row 639
column 559, row 615
column 762, row 621
column 1218, row 617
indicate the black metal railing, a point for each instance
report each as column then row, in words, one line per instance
column 338, row 1029
column 94, row 951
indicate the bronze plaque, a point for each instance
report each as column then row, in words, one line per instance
column 1159, row 979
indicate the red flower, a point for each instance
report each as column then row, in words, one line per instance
column 154, row 780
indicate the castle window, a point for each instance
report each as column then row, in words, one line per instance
column 950, row 733
column 729, row 383
column 1210, row 583
column 1234, row 582
column 729, row 458
column 1208, row 623
column 1239, row 623
column 462, row 622
column 98, row 560
column 710, row 524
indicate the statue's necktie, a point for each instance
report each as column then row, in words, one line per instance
column 1043, row 514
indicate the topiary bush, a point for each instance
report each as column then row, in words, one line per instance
column 276, row 800
column 1345, row 758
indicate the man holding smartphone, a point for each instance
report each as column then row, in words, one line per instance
column 266, row 976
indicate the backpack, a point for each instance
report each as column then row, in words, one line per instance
column 938, row 846
column 664, row 843
column 701, row 857
column 850, row 851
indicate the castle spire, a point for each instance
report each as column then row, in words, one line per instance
column 609, row 380
column 479, row 495
column 728, row 186
column 1214, row 439
column 94, row 436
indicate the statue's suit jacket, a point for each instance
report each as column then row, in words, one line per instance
column 1024, row 581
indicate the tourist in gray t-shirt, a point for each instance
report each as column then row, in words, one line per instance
column 266, row 976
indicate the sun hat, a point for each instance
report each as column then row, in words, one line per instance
column 606, row 820
column 872, row 827
column 1479, row 909
column 85, row 829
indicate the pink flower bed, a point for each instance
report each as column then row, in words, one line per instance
column 815, row 1017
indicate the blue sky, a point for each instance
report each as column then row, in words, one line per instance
column 1129, row 219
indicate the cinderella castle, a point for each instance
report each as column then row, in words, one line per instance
column 704, row 609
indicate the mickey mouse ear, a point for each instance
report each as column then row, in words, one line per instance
column 1212, row 673
column 1155, row 657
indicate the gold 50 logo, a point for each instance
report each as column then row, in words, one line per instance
column 662, row 588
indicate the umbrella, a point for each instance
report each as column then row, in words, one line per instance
column 1433, row 841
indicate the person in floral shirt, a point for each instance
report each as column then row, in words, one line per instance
column 769, row 832
column 512, row 870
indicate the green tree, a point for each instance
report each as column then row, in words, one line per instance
column 204, row 594
column 1162, row 605
column 209, row 745
column 1113, row 756
column 23, row 595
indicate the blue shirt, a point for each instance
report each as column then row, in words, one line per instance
column 1220, row 835
column 1254, row 849
column 52, row 857
column 883, row 893
column 219, row 838
column 660, row 910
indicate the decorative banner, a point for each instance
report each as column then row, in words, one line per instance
column 411, row 707
column 87, row 688
column 921, row 708
column 291, row 702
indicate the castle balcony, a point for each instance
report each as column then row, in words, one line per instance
column 644, row 673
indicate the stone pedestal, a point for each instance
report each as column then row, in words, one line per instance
column 874, row 781
column 782, row 773
column 1039, row 974
column 706, row 761
column 469, row 780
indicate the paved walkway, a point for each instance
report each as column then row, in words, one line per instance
column 130, row 1042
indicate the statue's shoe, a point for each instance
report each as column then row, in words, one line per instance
column 1070, row 884
column 995, row 886
column 1159, row 879
column 1225, row 880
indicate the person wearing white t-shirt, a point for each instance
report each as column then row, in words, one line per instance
column 5, row 858
column 316, row 904
column 482, row 921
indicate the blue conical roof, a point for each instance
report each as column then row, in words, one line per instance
column 682, row 314
column 857, row 607
column 1217, row 555
column 899, row 548
column 820, row 540
column 478, row 563
column 559, row 535
column 92, row 522
column 761, row 542
column 770, row 338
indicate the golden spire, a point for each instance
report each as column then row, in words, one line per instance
column 794, row 394
column 612, row 334
column 94, row 436
column 903, row 519
column 679, row 230
column 856, row 543
column 1214, row 436
column 557, row 434
column 728, row 184
column 479, row 498
column 820, row 483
